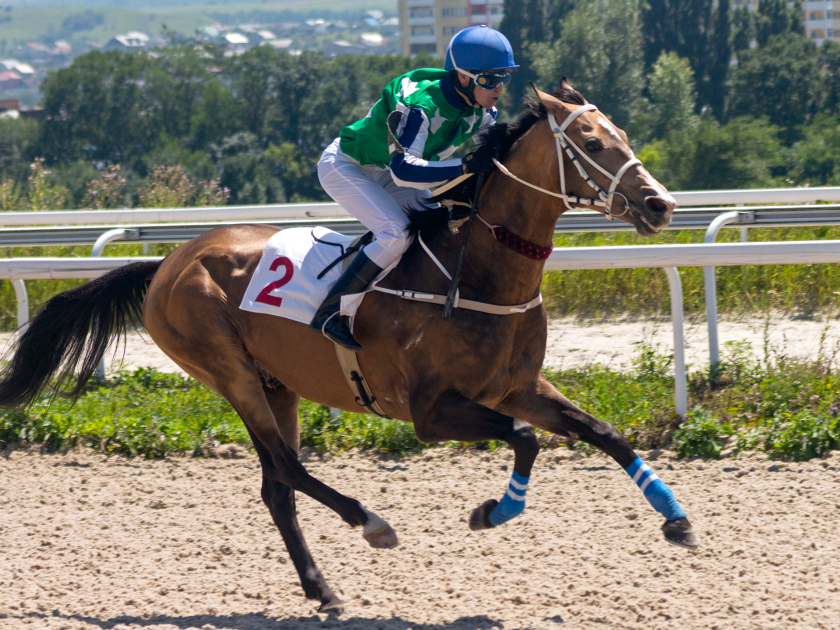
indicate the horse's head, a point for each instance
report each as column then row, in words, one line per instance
column 600, row 165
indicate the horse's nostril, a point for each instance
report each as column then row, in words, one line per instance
column 656, row 204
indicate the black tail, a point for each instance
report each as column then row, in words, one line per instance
column 72, row 332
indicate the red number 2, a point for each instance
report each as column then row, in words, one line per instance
column 265, row 295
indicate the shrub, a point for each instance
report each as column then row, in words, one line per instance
column 801, row 436
column 698, row 435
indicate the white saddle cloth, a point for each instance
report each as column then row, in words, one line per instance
column 285, row 282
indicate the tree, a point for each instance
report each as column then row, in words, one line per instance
column 599, row 50
column 779, row 80
column 528, row 22
column 743, row 28
column 816, row 159
column 721, row 56
column 744, row 153
column 672, row 96
column 697, row 30
column 830, row 70
column 775, row 17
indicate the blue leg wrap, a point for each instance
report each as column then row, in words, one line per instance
column 656, row 492
column 513, row 503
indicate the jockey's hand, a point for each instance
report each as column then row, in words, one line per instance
column 480, row 160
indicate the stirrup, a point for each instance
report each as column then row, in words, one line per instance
column 339, row 332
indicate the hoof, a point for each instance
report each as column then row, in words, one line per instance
column 480, row 517
column 378, row 533
column 331, row 606
column 680, row 533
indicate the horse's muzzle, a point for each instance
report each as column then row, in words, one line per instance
column 657, row 212
column 660, row 205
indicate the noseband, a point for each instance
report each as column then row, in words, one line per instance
column 564, row 143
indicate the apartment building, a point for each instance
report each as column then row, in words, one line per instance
column 430, row 24
column 819, row 19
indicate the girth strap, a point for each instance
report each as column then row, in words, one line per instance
column 348, row 360
column 470, row 305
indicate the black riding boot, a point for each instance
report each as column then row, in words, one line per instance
column 359, row 274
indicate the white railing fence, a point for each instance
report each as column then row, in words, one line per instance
column 667, row 257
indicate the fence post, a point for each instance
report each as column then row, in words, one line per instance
column 710, row 286
column 22, row 304
column 96, row 252
column 680, row 389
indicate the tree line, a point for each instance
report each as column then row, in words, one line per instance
column 711, row 97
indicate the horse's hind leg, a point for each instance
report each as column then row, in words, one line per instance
column 280, row 499
column 242, row 388
column 546, row 408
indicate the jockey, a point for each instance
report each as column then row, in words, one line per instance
column 438, row 111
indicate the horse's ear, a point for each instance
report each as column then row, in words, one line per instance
column 546, row 99
column 565, row 85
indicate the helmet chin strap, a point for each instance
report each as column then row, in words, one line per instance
column 469, row 91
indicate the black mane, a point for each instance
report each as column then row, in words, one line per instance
column 498, row 140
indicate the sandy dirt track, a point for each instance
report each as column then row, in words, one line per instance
column 91, row 542
column 572, row 342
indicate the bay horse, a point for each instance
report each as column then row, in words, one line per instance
column 475, row 376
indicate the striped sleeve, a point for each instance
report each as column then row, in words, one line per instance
column 409, row 168
column 487, row 121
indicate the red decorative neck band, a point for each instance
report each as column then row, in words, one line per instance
column 517, row 243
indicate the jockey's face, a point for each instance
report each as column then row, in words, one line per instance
column 483, row 98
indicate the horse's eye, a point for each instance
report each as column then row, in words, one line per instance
column 593, row 146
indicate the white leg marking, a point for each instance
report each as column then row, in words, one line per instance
column 377, row 531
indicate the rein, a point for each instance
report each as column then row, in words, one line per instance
column 564, row 144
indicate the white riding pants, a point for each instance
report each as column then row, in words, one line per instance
column 370, row 194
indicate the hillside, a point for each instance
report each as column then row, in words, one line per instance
column 84, row 21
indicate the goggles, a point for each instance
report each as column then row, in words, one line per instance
column 489, row 81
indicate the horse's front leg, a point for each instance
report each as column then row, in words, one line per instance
column 452, row 416
column 546, row 408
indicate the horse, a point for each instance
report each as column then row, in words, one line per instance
column 471, row 377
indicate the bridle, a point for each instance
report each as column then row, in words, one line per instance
column 564, row 143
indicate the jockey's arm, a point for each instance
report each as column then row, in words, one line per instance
column 409, row 168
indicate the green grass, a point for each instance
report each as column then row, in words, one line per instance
column 785, row 407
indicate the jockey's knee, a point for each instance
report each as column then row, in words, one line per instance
column 389, row 245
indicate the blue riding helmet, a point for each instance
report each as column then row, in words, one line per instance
column 480, row 48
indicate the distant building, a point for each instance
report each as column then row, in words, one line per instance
column 127, row 42
column 9, row 108
column 10, row 80
column 23, row 69
column 389, row 26
column 237, row 43
column 61, row 48
column 819, row 20
column 341, row 47
column 33, row 51
column 428, row 25
column 372, row 41
column 281, row 44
